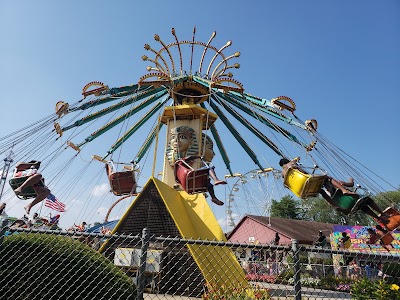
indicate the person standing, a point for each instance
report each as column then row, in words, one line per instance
column 321, row 241
column 344, row 241
column 277, row 239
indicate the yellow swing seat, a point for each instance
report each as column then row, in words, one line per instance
column 303, row 185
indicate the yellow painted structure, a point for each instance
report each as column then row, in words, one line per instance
column 303, row 185
column 195, row 220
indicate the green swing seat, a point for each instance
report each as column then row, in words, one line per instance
column 348, row 202
column 27, row 193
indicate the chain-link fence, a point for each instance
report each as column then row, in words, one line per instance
column 40, row 264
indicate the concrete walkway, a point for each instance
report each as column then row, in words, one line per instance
column 280, row 291
column 277, row 292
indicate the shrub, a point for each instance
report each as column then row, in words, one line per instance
column 321, row 260
column 336, row 283
column 285, row 276
column 365, row 289
column 36, row 266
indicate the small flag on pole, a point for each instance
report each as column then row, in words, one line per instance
column 53, row 203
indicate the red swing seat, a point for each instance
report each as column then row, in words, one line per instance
column 394, row 219
column 192, row 180
column 28, row 192
column 121, row 183
column 387, row 239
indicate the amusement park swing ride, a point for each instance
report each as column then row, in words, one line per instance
column 198, row 110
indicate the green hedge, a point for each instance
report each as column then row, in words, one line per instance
column 37, row 266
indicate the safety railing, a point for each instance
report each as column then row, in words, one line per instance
column 47, row 264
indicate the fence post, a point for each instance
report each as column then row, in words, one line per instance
column 3, row 229
column 296, row 276
column 141, row 279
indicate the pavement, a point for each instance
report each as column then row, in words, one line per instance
column 277, row 292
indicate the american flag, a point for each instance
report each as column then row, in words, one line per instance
column 53, row 203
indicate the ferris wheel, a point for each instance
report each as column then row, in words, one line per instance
column 252, row 193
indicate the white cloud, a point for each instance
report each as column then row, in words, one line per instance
column 100, row 190
column 223, row 222
column 76, row 202
column 102, row 210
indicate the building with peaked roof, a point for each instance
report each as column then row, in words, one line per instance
column 262, row 230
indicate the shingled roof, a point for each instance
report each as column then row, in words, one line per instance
column 305, row 232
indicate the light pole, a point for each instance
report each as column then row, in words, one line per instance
column 7, row 163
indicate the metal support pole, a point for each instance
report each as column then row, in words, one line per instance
column 141, row 280
column 3, row 229
column 296, row 276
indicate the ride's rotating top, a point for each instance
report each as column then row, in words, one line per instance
column 200, row 95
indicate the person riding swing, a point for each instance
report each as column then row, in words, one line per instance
column 335, row 192
column 194, row 180
column 121, row 182
column 26, row 176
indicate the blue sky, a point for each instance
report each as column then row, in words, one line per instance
column 338, row 60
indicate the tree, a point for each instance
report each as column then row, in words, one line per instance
column 36, row 266
column 386, row 199
column 287, row 208
column 318, row 210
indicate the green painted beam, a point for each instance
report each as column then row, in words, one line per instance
column 112, row 95
column 135, row 127
column 262, row 119
column 220, row 145
column 122, row 118
column 124, row 90
column 221, row 148
column 202, row 81
column 147, row 143
column 112, row 108
column 262, row 104
column 235, row 133
column 250, row 127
